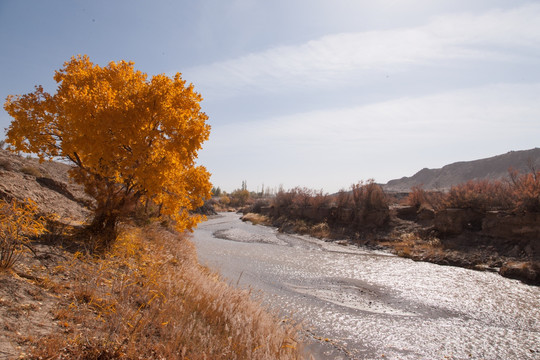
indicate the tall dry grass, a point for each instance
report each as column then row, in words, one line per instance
column 148, row 298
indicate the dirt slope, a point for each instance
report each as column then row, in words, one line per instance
column 46, row 183
column 26, row 302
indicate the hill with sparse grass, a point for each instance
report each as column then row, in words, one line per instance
column 492, row 168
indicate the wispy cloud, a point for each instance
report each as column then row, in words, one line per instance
column 385, row 139
column 476, row 112
column 342, row 58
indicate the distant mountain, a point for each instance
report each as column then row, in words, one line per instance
column 493, row 168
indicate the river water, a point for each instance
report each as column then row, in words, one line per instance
column 362, row 304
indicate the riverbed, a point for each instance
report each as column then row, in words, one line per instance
column 356, row 303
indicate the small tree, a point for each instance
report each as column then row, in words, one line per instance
column 130, row 138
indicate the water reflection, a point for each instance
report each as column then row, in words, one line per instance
column 372, row 303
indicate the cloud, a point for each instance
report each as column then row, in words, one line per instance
column 458, row 112
column 329, row 149
column 333, row 60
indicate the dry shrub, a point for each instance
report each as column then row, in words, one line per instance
column 301, row 227
column 369, row 196
column 321, row 230
column 301, row 197
column 150, row 299
column 417, row 197
column 526, row 190
column 285, row 199
column 29, row 170
column 480, row 195
column 258, row 205
column 19, row 222
column 421, row 198
column 520, row 194
column 344, row 199
column 239, row 198
column 319, row 199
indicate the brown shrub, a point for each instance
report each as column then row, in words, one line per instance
column 344, row 199
column 480, row 195
column 526, row 191
column 369, row 196
column 421, row 198
column 285, row 199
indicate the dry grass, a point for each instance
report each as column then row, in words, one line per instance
column 30, row 170
column 256, row 219
column 411, row 245
column 150, row 299
column 321, row 230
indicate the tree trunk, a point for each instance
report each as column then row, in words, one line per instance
column 103, row 227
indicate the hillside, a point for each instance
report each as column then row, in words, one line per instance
column 47, row 183
column 493, row 168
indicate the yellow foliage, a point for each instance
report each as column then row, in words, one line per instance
column 130, row 138
column 18, row 223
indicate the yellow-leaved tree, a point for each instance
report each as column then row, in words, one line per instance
column 131, row 139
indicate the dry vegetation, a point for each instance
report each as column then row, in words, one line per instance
column 148, row 298
column 479, row 224
column 520, row 194
column 256, row 219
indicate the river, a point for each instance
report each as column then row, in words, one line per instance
column 362, row 304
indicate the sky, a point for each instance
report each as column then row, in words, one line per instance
column 311, row 93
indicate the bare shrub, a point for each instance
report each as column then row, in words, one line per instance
column 344, row 199
column 480, row 195
column 526, row 190
column 369, row 196
column 284, row 198
column 420, row 198
column 417, row 197
column 319, row 199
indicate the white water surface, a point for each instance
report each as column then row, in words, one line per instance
column 371, row 304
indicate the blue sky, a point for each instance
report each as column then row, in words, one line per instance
column 309, row 92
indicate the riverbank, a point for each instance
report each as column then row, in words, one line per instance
column 419, row 240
